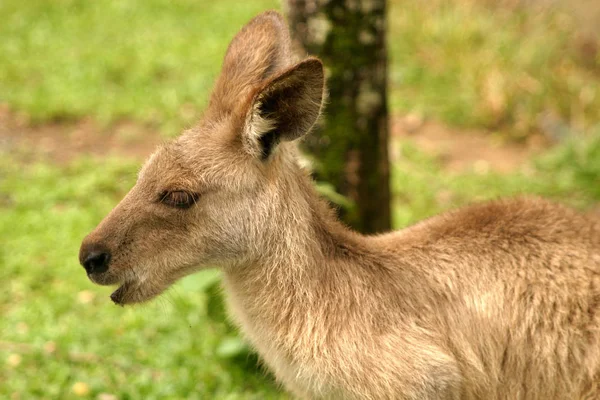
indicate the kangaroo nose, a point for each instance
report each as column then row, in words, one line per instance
column 95, row 260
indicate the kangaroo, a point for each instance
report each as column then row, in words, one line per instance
column 499, row 300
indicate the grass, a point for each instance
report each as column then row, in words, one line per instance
column 151, row 61
column 519, row 71
column 569, row 173
column 154, row 62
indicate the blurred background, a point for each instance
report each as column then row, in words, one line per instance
column 484, row 99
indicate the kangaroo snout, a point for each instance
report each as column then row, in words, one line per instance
column 94, row 257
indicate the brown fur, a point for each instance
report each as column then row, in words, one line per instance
column 494, row 301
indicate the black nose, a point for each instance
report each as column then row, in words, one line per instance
column 95, row 261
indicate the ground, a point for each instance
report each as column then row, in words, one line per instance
column 457, row 149
column 62, row 142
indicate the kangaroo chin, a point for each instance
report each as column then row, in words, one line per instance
column 133, row 292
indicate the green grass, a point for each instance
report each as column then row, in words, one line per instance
column 154, row 61
column 519, row 71
column 151, row 61
column 569, row 173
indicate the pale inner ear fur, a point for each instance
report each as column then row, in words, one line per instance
column 259, row 133
column 285, row 109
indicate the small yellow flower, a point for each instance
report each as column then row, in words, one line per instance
column 22, row 328
column 14, row 360
column 106, row 396
column 50, row 347
column 85, row 296
column 81, row 389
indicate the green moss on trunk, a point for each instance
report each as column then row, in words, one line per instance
column 351, row 143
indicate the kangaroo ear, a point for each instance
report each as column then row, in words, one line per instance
column 285, row 108
column 259, row 51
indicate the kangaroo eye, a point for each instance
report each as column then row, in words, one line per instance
column 178, row 199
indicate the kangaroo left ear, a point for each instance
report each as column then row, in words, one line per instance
column 285, row 108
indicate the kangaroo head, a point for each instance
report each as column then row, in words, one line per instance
column 206, row 198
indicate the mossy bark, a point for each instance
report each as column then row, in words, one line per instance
column 351, row 145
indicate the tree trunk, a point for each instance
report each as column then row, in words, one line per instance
column 351, row 146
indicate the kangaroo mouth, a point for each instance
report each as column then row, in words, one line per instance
column 118, row 296
column 130, row 292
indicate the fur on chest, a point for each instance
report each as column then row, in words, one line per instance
column 289, row 353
